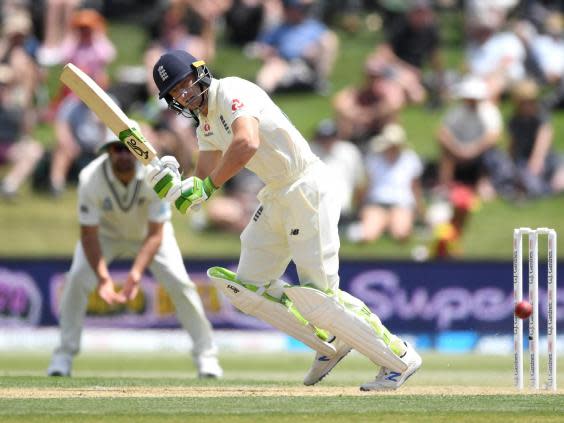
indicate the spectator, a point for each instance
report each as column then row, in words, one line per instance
column 540, row 169
column 88, row 46
column 394, row 198
column 78, row 133
column 467, row 135
column 363, row 112
column 548, row 50
column 413, row 42
column 57, row 19
column 345, row 162
column 16, row 28
column 297, row 54
column 16, row 147
column 496, row 57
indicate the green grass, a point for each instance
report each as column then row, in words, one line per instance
column 249, row 376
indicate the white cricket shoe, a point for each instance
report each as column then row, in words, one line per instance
column 208, row 367
column 323, row 364
column 388, row 380
column 61, row 365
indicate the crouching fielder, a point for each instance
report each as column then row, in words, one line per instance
column 121, row 216
column 238, row 126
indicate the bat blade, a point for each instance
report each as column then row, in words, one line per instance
column 108, row 112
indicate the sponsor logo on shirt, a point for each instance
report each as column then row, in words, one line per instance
column 207, row 130
column 257, row 214
column 83, row 208
column 225, row 126
column 236, row 104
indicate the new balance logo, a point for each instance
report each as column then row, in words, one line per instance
column 232, row 288
column 323, row 358
column 162, row 73
column 393, row 376
column 294, row 232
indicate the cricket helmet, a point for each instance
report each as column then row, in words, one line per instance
column 172, row 68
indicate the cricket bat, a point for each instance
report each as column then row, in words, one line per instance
column 108, row 112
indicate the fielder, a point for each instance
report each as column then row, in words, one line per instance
column 119, row 216
column 238, row 125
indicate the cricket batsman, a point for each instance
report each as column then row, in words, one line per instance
column 121, row 216
column 238, row 125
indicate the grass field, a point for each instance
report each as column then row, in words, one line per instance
column 257, row 388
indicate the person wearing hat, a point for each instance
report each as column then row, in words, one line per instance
column 393, row 197
column 239, row 126
column 467, row 135
column 17, row 147
column 120, row 216
column 344, row 160
column 540, row 169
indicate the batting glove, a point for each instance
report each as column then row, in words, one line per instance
column 192, row 193
column 164, row 176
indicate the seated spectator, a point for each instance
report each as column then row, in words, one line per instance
column 346, row 164
column 78, row 133
column 16, row 28
column 88, row 46
column 413, row 42
column 548, row 50
column 363, row 112
column 297, row 54
column 496, row 57
column 467, row 136
column 17, row 148
column 394, row 197
column 540, row 169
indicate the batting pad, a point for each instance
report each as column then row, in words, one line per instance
column 325, row 312
column 279, row 313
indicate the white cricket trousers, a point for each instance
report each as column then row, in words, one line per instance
column 167, row 267
column 295, row 221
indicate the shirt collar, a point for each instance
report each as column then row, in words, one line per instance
column 212, row 95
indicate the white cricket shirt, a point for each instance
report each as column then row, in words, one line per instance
column 120, row 211
column 283, row 153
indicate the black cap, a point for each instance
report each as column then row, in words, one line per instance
column 171, row 68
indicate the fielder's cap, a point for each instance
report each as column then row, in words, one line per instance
column 472, row 88
column 112, row 138
column 171, row 68
column 392, row 135
column 326, row 129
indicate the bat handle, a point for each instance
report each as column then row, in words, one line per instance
column 155, row 162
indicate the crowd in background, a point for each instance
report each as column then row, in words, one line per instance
column 512, row 52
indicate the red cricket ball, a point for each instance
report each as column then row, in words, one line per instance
column 523, row 309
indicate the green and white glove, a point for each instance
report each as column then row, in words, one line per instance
column 164, row 176
column 192, row 193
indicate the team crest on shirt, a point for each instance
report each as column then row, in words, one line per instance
column 107, row 204
column 236, row 104
column 207, row 130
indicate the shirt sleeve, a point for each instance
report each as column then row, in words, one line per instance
column 491, row 117
column 88, row 210
column 238, row 99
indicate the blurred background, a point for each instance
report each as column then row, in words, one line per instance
column 443, row 120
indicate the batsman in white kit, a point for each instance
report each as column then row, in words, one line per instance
column 238, row 125
column 120, row 216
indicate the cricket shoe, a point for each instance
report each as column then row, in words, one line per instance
column 323, row 364
column 388, row 380
column 208, row 368
column 61, row 365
